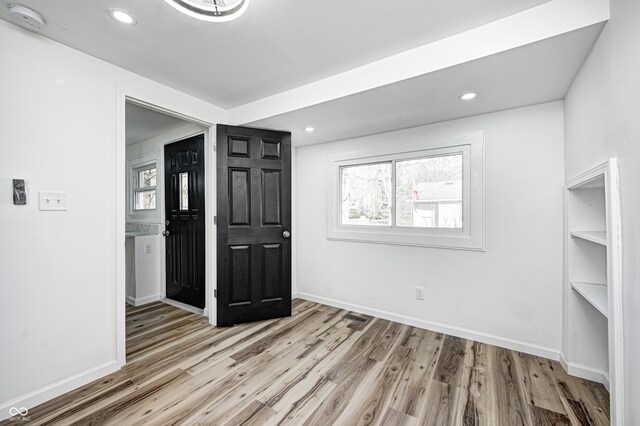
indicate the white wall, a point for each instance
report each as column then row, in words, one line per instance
column 58, row 109
column 509, row 295
column 602, row 118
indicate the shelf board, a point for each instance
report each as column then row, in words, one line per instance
column 596, row 294
column 598, row 237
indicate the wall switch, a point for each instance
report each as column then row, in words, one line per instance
column 147, row 248
column 52, row 201
column 419, row 293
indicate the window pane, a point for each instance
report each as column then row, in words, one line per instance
column 145, row 200
column 366, row 194
column 147, row 178
column 184, row 191
column 429, row 192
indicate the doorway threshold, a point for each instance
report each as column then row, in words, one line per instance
column 183, row 306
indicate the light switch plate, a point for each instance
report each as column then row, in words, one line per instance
column 52, row 201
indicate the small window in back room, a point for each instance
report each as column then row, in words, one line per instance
column 144, row 188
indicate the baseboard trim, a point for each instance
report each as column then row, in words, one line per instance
column 516, row 345
column 46, row 393
column 294, row 295
column 143, row 300
column 584, row 372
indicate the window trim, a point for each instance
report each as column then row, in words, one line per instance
column 470, row 237
column 137, row 161
column 135, row 190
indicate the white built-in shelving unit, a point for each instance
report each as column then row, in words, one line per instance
column 592, row 346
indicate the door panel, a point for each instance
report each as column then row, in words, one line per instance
column 240, row 197
column 272, row 204
column 185, row 228
column 271, row 271
column 271, row 149
column 240, row 274
column 254, row 211
column 239, row 147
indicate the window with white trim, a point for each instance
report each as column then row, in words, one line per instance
column 430, row 197
column 144, row 187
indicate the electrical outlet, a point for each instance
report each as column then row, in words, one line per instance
column 419, row 293
column 147, row 248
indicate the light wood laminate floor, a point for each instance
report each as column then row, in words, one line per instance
column 320, row 368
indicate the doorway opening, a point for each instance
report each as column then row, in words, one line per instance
column 165, row 235
column 271, row 282
column 184, row 234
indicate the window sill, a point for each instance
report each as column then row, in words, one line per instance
column 434, row 241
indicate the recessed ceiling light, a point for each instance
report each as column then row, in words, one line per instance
column 122, row 16
column 469, row 96
column 309, row 129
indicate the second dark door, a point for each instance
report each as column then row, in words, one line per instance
column 254, row 224
column 185, row 227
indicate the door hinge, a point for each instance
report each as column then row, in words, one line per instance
column 215, row 220
column 215, row 293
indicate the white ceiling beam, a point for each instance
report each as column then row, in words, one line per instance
column 547, row 20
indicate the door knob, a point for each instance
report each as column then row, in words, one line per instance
column 166, row 233
column 286, row 234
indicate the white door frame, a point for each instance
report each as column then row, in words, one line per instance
column 188, row 113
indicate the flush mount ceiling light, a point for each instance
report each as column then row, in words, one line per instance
column 309, row 129
column 211, row 10
column 122, row 16
column 469, row 96
column 26, row 16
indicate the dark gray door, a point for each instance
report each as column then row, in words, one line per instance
column 254, row 224
column 185, row 227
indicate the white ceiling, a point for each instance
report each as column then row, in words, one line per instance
column 275, row 46
column 368, row 69
column 143, row 123
column 532, row 74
